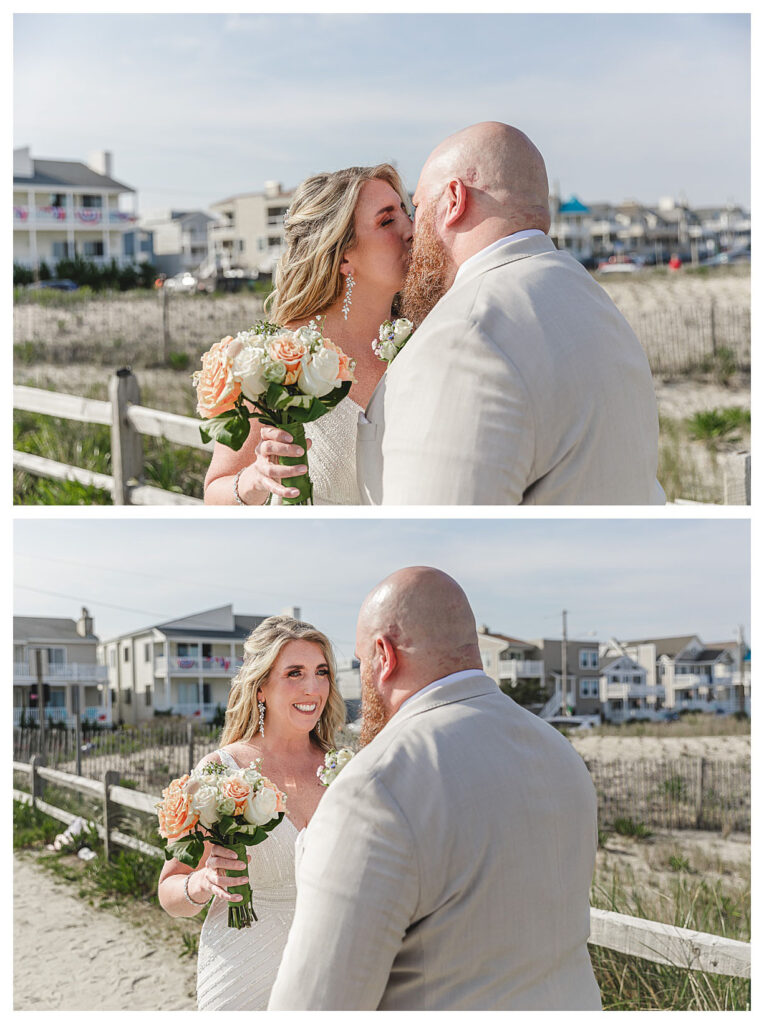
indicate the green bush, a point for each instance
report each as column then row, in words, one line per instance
column 21, row 276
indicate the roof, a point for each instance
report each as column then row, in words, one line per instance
column 33, row 628
column 670, row 645
column 707, row 654
column 573, row 205
column 607, row 662
column 70, row 173
column 507, row 639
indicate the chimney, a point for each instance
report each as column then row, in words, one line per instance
column 292, row 611
column 23, row 166
column 85, row 624
column 100, row 162
column 272, row 189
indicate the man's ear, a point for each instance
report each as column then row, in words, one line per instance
column 456, row 196
column 387, row 657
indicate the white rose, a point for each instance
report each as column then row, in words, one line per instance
column 386, row 350
column 306, row 335
column 205, row 803
column 261, row 807
column 251, row 775
column 248, row 369
column 318, row 372
column 402, row 328
column 343, row 756
column 227, row 806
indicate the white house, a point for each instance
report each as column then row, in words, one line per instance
column 179, row 239
column 624, row 691
column 60, row 654
column 65, row 208
column 249, row 230
column 183, row 667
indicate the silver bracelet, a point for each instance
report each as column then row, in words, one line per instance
column 185, row 893
column 236, row 494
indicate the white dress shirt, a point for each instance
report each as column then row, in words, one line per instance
column 466, row 674
column 525, row 233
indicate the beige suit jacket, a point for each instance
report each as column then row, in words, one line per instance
column 524, row 385
column 448, row 867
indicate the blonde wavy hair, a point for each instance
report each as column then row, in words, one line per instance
column 319, row 228
column 261, row 649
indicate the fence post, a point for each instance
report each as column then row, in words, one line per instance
column 126, row 443
column 110, row 778
column 165, row 324
column 701, row 783
column 737, row 479
column 190, row 736
column 38, row 784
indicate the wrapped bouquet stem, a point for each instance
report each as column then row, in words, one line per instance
column 240, row 915
column 283, row 378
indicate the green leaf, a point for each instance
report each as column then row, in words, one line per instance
column 230, row 428
column 188, row 850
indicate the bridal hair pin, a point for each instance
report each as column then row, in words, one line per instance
column 349, row 286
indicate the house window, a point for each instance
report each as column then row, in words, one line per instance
column 62, row 251
column 206, row 650
column 112, row 656
column 147, row 696
column 128, row 696
column 56, row 656
column 589, row 687
column 187, row 693
column 147, row 652
column 126, row 654
column 92, row 202
column 92, row 248
column 587, row 659
column 206, row 693
column 57, row 199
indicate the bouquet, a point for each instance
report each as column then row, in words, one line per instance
column 393, row 335
column 334, row 762
column 290, row 377
column 235, row 808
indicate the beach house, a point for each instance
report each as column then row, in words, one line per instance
column 55, row 666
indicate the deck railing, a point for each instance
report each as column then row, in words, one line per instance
column 649, row 940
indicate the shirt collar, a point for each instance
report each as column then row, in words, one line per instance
column 525, row 233
column 453, row 678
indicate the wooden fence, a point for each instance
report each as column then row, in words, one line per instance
column 688, row 792
column 128, row 421
column 710, row 337
column 685, row 793
column 650, row 940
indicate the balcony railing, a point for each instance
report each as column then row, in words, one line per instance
column 24, row 674
column 81, row 216
column 198, row 711
column 634, row 690
column 515, row 669
column 92, row 714
column 221, row 664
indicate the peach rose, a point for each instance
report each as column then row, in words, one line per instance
column 280, row 797
column 216, row 389
column 236, row 789
column 176, row 816
column 284, row 349
column 346, row 363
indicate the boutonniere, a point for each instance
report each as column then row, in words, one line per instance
column 334, row 762
column 393, row 335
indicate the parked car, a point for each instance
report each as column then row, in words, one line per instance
column 62, row 285
column 620, row 265
column 183, row 282
column 726, row 259
column 671, row 716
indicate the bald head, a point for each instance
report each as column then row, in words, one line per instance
column 427, row 616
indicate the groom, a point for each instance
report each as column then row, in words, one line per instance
column 523, row 384
column 449, row 865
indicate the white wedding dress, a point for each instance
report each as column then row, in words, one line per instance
column 237, row 967
column 331, row 459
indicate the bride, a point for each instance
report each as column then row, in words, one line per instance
column 348, row 236
column 284, row 708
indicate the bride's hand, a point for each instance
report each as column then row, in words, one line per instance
column 265, row 473
column 211, row 880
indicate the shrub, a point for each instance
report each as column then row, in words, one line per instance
column 629, row 827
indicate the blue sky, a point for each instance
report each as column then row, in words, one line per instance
column 621, row 577
column 196, row 107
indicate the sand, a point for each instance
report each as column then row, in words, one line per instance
column 68, row 955
column 624, row 748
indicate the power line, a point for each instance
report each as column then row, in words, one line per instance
column 95, row 603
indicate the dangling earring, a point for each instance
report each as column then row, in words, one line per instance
column 261, row 713
column 349, row 285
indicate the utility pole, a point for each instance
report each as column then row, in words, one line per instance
column 563, row 703
column 741, row 684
